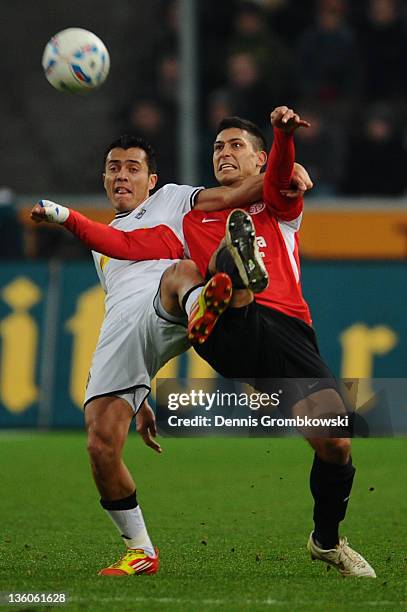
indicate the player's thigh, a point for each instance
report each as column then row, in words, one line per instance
column 165, row 336
column 176, row 277
column 121, row 362
column 233, row 348
column 108, row 420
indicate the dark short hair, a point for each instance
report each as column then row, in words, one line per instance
column 128, row 141
column 258, row 138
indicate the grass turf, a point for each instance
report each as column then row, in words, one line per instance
column 231, row 518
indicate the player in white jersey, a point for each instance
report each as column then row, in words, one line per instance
column 134, row 342
column 123, row 361
column 137, row 336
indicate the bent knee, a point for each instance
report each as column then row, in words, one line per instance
column 175, row 275
column 101, row 448
column 334, row 450
column 185, row 266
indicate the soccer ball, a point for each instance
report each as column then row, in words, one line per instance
column 75, row 60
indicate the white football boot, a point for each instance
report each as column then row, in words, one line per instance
column 343, row 558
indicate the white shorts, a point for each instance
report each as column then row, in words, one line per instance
column 132, row 348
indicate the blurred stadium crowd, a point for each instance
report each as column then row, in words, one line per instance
column 341, row 64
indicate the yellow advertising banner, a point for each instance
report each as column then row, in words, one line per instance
column 340, row 230
column 354, row 233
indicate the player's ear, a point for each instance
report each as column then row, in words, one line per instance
column 104, row 179
column 262, row 158
column 152, row 181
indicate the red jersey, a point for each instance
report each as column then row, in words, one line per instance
column 278, row 244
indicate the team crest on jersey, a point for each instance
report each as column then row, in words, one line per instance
column 255, row 209
column 141, row 213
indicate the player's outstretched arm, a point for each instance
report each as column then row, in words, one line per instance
column 280, row 165
column 250, row 191
column 157, row 242
column 246, row 192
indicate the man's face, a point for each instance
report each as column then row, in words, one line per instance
column 126, row 178
column 234, row 156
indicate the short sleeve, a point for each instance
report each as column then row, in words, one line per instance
column 180, row 199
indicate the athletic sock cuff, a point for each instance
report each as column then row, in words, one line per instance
column 127, row 503
column 332, row 473
column 327, row 467
column 187, row 294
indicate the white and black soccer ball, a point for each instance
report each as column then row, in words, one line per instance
column 75, row 60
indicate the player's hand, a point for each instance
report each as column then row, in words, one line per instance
column 49, row 211
column 146, row 426
column 300, row 183
column 286, row 119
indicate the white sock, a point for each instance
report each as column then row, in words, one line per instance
column 132, row 528
column 193, row 296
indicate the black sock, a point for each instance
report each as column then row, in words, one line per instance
column 331, row 485
column 224, row 263
column 127, row 503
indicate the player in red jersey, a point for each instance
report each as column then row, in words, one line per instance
column 269, row 335
column 272, row 337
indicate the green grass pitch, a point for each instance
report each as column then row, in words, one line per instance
column 231, row 518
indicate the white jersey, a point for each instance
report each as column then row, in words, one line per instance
column 124, row 280
column 135, row 341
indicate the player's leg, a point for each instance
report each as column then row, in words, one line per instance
column 311, row 390
column 331, row 481
column 183, row 292
column 107, row 422
column 332, row 471
column 178, row 280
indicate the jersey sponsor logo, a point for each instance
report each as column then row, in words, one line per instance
column 255, row 209
column 141, row 213
column 209, row 220
column 262, row 244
